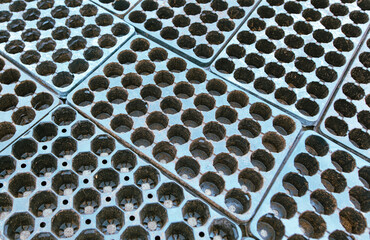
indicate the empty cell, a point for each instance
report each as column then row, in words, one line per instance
column 215, row 37
column 264, row 85
column 226, row 115
column 284, row 125
column 224, row 65
column 295, row 80
column 204, row 102
column 170, row 195
column 164, row 152
column 63, row 116
column 169, row 33
column 333, row 181
column 117, row 95
column 312, row 224
column 124, row 161
column 214, row 131
column 165, row 13
column 352, row 220
column 187, row 167
column 149, row 5
column 24, row 148
column 316, row 145
column 323, row 202
column 136, row 108
column 43, row 204
column 133, row 232
column 8, row 102
column 88, row 234
column 22, row 185
column 222, row 228
column 237, row 145
column 184, row 90
column 65, row 183
column 129, row 198
column 262, row 160
column 131, row 81
column 127, row 57
column 181, row 21
column 44, row 165
column 84, row 163
column 358, row 196
column 25, row 88
column 211, row 184
column 307, row 107
column 283, row 206
column 192, row 118
column 153, row 217
column 201, row 148
column 250, row 180
column 146, row 177
column 88, row 10
column 195, row 213
column 157, row 121
column 6, row 205
column 158, row 54
column 178, row 134
column 225, row 164
column 285, row 96
column 7, row 131
column 343, row 161
column 19, row 226
column 106, row 180
column 83, row 130
column 65, row 223
column 164, row 78
column 42, row 101
column 8, row 166
column 237, row 201
column 45, row 132
column 62, row 79
column 203, row 51
column 137, row 17
column 306, row 164
column 295, row 184
column 110, row 220
column 142, row 137
column 179, row 230
column 170, row 105
column 144, row 67
column 249, row 128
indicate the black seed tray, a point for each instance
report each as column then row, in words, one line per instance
column 348, row 119
column 293, row 54
column 321, row 193
column 196, row 29
column 68, row 179
column 221, row 142
column 23, row 102
column 118, row 7
column 59, row 42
